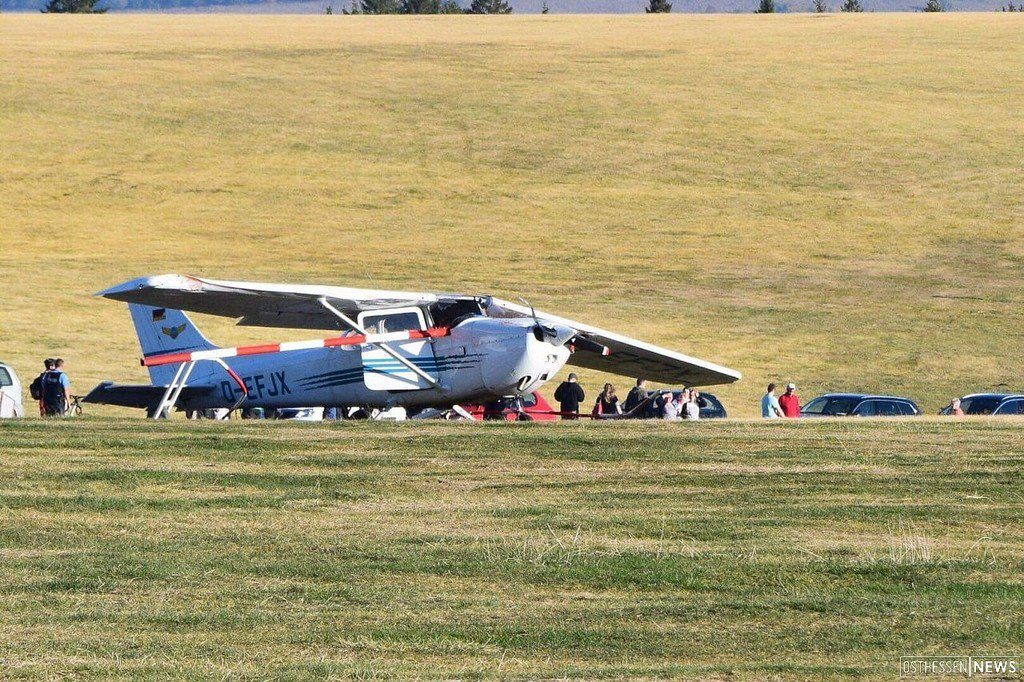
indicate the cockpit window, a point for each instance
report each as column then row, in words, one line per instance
column 391, row 322
column 5, row 378
column 448, row 313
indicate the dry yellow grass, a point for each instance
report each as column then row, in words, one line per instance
column 834, row 199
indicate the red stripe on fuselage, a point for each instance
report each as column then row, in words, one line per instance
column 268, row 348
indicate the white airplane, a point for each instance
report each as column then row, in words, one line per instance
column 396, row 348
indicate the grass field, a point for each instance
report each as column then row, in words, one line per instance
column 728, row 550
column 831, row 199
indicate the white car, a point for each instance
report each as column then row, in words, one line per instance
column 10, row 393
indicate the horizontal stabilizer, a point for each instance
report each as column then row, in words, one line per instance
column 142, row 396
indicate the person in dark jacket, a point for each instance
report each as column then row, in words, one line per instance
column 36, row 387
column 569, row 395
column 607, row 402
column 637, row 395
column 56, row 391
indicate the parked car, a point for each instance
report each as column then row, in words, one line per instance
column 997, row 404
column 300, row 414
column 532, row 407
column 10, row 393
column 710, row 406
column 11, row 404
column 860, row 405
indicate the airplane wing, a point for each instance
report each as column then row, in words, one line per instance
column 298, row 306
column 295, row 306
column 627, row 356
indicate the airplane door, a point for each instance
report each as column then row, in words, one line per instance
column 381, row 372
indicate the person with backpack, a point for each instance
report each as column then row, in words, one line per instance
column 35, row 389
column 56, row 390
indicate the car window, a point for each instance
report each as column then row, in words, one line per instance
column 703, row 403
column 907, row 409
column 1011, row 407
column 865, row 409
column 887, row 408
column 5, row 378
column 529, row 400
column 831, row 407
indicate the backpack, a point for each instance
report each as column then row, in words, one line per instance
column 52, row 390
column 35, row 389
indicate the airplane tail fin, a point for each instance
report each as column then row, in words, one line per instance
column 165, row 330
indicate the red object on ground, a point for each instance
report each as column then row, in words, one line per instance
column 790, row 404
column 535, row 408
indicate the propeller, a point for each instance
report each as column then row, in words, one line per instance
column 540, row 330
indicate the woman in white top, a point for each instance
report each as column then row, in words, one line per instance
column 692, row 407
column 669, row 408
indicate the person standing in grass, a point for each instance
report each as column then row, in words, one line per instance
column 692, row 408
column 770, row 408
column 636, row 396
column 35, row 389
column 607, row 402
column 669, row 407
column 569, row 395
column 790, row 402
column 56, row 391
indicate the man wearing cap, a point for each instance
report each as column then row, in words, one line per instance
column 790, row 402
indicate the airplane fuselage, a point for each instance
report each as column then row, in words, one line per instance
column 481, row 359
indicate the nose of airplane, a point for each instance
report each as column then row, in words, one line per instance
column 526, row 358
column 558, row 335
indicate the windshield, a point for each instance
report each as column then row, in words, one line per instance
column 5, row 378
column 831, row 406
column 981, row 404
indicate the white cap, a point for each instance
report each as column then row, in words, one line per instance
column 791, row 386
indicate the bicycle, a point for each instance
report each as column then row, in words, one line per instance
column 75, row 407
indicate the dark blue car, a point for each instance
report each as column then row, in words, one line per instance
column 710, row 406
column 859, row 405
column 998, row 404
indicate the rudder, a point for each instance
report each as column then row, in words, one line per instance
column 165, row 330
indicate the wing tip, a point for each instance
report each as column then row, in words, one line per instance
column 122, row 291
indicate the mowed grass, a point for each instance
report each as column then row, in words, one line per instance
column 831, row 199
column 740, row 550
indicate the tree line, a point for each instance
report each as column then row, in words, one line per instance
column 820, row 6
column 474, row 7
column 425, row 7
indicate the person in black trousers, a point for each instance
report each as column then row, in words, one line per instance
column 569, row 395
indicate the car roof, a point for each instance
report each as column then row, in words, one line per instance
column 1000, row 396
column 676, row 390
column 864, row 396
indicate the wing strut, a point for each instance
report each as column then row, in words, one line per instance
column 383, row 346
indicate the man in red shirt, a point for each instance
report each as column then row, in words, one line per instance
column 790, row 402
